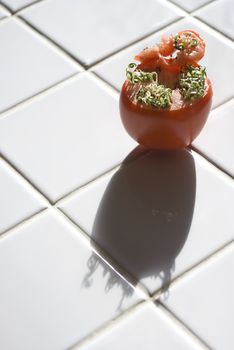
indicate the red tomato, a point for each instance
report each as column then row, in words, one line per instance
column 171, row 128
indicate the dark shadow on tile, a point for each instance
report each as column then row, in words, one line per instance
column 144, row 217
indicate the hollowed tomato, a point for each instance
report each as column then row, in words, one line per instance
column 171, row 128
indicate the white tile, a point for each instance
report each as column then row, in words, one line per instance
column 146, row 328
column 204, row 301
column 92, row 29
column 146, row 208
column 74, row 133
column 18, row 200
column 219, row 15
column 216, row 140
column 190, row 5
column 82, row 206
column 3, row 12
column 28, row 64
column 16, row 5
column 45, row 299
column 113, row 69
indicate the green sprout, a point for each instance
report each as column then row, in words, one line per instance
column 192, row 83
column 155, row 95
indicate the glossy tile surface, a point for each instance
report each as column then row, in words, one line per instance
column 144, row 329
column 220, row 16
column 204, row 301
column 3, row 12
column 190, row 5
column 216, row 140
column 109, row 25
column 113, row 69
column 71, row 140
column 94, row 229
column 18, row 199
column 48, row 290
column 161, row 209
column 16, row 5
column 28, row 64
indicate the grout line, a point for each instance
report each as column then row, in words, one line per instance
column 212, row 27
column 61, row 200
column 24, row 179
column 94, row 180
column 132, row 43
column 31, row 183
column 68, row 195
column 194, row 268
column 28, row 6
column 226, row 101
column 201, row 7
column 5, row 19
column 50, row 40
column 92, row 66
column 105, row 81
column 109, row 325
column 103, row 59
column 211, row 161
column 83, row 64
column 61, row 50
column 22, row 223
column 27, row 101
column 177, row 6
column 6, row 7
column 196, row 338
column 193, row 11
column 215, row 32
column 108, row 259
column 128, row 311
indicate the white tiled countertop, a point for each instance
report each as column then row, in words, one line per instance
column 104, row 245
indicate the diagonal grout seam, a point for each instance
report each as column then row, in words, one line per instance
column 183, row 326
column 226, row 101
column 102, row 175
column 81, row 228
column 108, row 259
column 190, row 12
column 6, row 7
column 50, row 40
column 67, row 195
column 103, row 59
column 37, row 214
column 188, row 272
column 85, row 184
column 17, row 174
column 214, row 28
column 200, row 264
column 22, row 223
column 35, row 2
column 109, row 325
column 120, row 269
column 132, row 43
column 94, row 180
column 31, row 183
column 29, row 100
column 152, row 298
column 211, row 161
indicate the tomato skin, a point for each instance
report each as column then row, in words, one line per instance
column 163, row 128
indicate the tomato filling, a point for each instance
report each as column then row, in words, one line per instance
column 168, row 75
column 164, row 89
